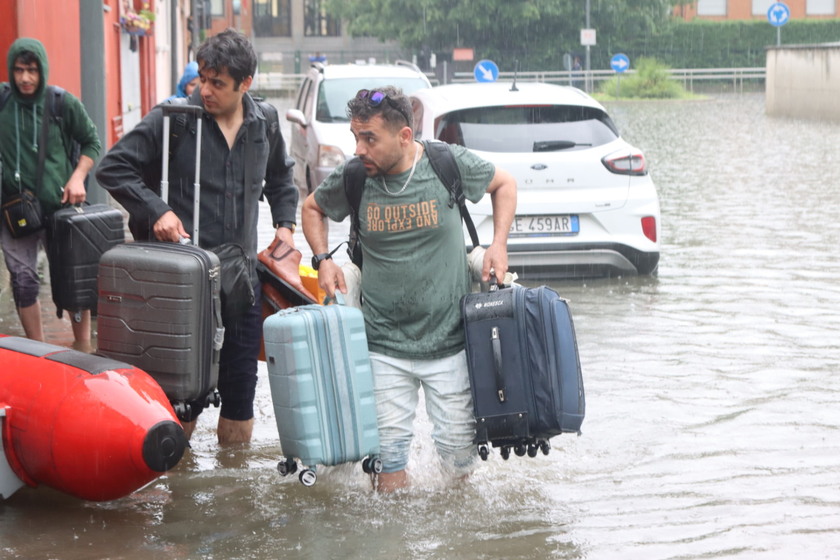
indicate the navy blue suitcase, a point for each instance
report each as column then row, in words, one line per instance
column 524, row 368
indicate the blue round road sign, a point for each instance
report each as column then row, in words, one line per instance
column 778, row 14
column 486, row 71
column 620, row 62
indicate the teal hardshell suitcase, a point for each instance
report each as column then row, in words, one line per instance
column 322, row 388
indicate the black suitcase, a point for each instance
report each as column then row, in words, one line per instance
column 160, row 306
column 524, row 368
column 78, row 236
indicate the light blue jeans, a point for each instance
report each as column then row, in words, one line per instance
column 446, row 387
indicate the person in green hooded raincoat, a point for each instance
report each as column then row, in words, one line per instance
column 61, row 181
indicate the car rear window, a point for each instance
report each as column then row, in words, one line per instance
column 334, row 94
column 526, row 128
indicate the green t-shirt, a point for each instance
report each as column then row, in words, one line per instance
column 415, row 267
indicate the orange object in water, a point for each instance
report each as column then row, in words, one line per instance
column 90, row 426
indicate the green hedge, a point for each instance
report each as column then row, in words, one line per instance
column 677, row 44
column 704, row 44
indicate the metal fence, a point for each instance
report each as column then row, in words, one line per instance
column 277, row 84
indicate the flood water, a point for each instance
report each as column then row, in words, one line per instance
column 713, row 402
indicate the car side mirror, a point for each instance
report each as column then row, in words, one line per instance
column 296, row 116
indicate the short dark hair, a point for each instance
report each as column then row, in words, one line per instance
column 229, row 50
column 394, row 110
column 28, row 57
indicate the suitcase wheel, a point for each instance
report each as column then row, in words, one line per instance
column 532, row 450
column 213, row 398
column 506, row 453
column 483, row 452
column 520, row 449
column 308, row 477
column 372, row 465
column 183, row 411
column 287, row 467
column 545, row 447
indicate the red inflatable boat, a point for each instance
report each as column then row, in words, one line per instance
column 83, row 424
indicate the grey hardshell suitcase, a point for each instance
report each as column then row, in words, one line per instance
column 79, row 235
column 160, row 307
column 322, row 388
column 524, row 368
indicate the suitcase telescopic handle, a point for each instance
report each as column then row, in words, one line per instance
column 168, row 109
column 496, row 345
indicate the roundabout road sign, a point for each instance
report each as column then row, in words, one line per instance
column 778, row 14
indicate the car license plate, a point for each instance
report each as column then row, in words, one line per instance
column 537, row 226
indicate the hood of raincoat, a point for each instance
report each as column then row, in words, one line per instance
column 190, row 73
column 37, row 48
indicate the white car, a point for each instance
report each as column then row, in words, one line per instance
column 321, row 137
column 586, row 205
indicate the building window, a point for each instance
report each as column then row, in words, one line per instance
column 317, row 23
column 819, row 7
column 760, row 7
column 217, row 8
column 272, row 18
column 711, row 7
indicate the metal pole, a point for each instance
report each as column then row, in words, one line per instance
column 92, row 52
column 195, row 27
column 588, row 81
column 174, row 45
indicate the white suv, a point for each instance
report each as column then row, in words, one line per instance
column 321, row 137
column 586, row 204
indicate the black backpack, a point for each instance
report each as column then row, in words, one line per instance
column 445, row 167
column 55, row 98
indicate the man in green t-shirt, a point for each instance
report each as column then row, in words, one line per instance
column 414, row 275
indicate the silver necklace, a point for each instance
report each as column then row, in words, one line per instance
column 410, row 175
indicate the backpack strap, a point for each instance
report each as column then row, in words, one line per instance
column 5, row 94
column 56, row 96
column 446, row 168
column 354, row 182
column 49, row 107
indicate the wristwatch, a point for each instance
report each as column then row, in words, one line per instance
column 317, row 259
column 290, row 225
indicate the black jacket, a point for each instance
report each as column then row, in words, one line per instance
column 131, row 172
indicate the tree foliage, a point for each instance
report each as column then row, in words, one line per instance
column 538, row 32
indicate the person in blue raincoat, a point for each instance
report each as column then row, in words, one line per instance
column 189, row 80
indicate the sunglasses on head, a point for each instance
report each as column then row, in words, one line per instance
column 375, row 98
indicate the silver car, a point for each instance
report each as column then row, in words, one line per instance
column 321, row 137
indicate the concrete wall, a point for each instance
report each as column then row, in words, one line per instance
column 803, row 81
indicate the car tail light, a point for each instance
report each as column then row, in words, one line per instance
column 626, row 164
column 649, row 227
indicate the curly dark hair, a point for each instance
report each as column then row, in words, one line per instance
column 229, row 50
column 394, row 108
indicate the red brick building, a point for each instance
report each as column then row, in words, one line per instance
column 722, row 10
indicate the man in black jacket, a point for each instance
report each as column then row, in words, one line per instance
column 241, row 143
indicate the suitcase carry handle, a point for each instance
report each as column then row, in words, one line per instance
column 338, row 298
column 494, row 282
column 164, row 177
column 180, row 108
column 496, row 344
